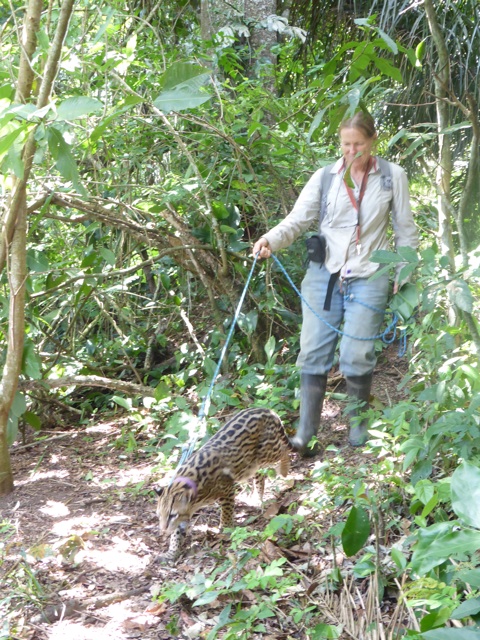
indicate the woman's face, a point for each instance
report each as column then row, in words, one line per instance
column 354, row 142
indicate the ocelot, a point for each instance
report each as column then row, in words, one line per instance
column 252, row 439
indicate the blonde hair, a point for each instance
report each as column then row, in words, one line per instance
column 363, row 122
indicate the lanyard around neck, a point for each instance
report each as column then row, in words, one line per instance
column 356, row 202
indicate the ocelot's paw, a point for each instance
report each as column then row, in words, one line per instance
column 167, row 559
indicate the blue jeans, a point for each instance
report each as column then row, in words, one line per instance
column 318, row 341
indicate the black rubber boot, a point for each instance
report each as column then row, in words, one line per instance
column 312, row 394
column 358, row 388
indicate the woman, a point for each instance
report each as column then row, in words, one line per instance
column 356, row 211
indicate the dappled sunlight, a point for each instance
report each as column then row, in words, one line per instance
column 118, row 558
column 78, row 525
column 67, row 630
column 134, row 475
column 44, row 475
column 55, row 509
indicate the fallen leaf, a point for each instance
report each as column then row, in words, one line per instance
column 156, row 608
column 141, row 622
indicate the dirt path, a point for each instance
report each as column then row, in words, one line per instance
column 80, row 532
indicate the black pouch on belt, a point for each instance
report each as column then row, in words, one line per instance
column 316, row 249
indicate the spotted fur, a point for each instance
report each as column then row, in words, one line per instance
column 252, row 439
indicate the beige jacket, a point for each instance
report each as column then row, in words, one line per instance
column 339, row 225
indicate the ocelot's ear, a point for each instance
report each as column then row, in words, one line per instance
column 158, row 490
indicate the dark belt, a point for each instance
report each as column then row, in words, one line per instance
column 331, row 284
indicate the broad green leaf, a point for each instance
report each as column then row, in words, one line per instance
column 126, row 403
column 182, row 87
column 12, row 429
column 108, row 256
column 389, row 70
column 436, row 618
column 405, row 301
column 324, row 631
column 181, row 98
column 468, row 608
column 465, row 633
column 31, row 362
column 470, row 576
column 184, row 72
column 439, row 543
column 460, row 295
column 386, row 257
column 19, row 405
column 424, row 490
column 78, row 107
column 465, row 488
column 408, row 254
column 64, row 160
column 7, row 140
column 391, row 44
column 206, row 598
column 270, row 347
column 355, row 531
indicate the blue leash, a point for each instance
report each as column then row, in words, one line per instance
column 188, row 447
column 384, row 336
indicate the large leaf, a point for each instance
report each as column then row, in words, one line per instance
column 460, row 295
column 183, row 88
column 64, row 161
column 438, row 543
column 465, row 633
column 405, row 301
column 355, row 531
column 465, row 488
column 78, row 107
column 468, row 608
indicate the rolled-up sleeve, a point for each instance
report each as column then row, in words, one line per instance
column 406, row 234
column 305, row 212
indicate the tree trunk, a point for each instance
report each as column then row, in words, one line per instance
column 216, row 14
column 17, row 215
column 445, row 164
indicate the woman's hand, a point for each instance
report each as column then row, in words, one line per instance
column 263, row 247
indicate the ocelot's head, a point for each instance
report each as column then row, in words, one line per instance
column 175, row 503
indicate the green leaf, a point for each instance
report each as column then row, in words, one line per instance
column 206, row 598
column 391, row 44
column 108, row 256
column 386, row 257
column 468, row 608
column 7, row 140
column 270, row 347
column 439, row 543
column 64, row 160
column 389, row 70
column 460, row 295
column 436, row 618
column 31, row 362
column 465, row 633
column 471, row 577
column 405, row 301
column 184, row 72
column 180, row 99
column 182, row 88
column 78, row 107
column 465, row 489
column 126, row 403
column 356, row 531
column 324, row 631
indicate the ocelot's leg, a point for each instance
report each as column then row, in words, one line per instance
column 259, row 485
column 176, row 544
column 227, row 504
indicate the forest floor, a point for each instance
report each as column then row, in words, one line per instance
column 80, row 536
